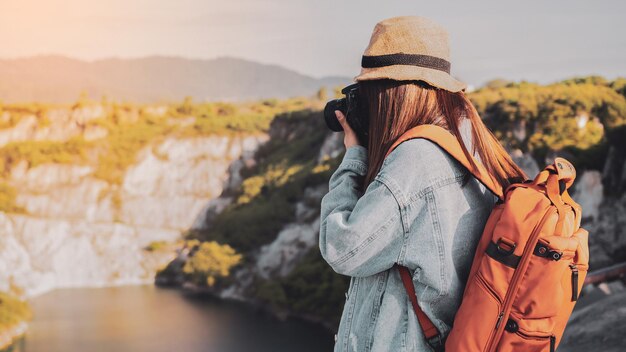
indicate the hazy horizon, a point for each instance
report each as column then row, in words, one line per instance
column 129, row 58
column 534, row 41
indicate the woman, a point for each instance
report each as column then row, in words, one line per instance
column 418, row 207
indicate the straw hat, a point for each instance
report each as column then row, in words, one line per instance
column 409, row 48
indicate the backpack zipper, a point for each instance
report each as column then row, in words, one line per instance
column 508, row 300
column 529, row 336
column 551, row 337
column 493, row 293
column 574, row 282
column 481, row 281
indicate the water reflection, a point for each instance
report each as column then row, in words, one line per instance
column 145, row 318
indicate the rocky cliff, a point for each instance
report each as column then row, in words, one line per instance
column 74, row 229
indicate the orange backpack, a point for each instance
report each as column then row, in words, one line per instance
column 529, row 265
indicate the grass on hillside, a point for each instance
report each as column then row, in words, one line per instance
column 130, row 128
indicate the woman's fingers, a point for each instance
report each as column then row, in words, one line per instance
column 342, row 120
column 350, row 139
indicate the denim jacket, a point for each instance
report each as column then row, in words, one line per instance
column 422, row 211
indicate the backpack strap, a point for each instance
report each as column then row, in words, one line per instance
column 448, row 142
column 432, row 335
column 451, row 145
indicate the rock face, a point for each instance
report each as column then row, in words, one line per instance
column 614, row 172
column 170, row 192
column 39, row 254
column 294, row 240
column 607, row 233
column 589, row 193
column 278, row 258
column 603, row 198
column 78, row 230
column 597, row 325
column 61, row 125
column 526, row 162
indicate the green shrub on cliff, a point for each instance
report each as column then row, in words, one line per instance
column 13, row 311
column 227, row 118
column 209, row 261
column 571, row 115
column 40, row 152
column 537, row 104
column 619, row 85
column 12, row 114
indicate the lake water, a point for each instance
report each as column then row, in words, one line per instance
column 146, row 318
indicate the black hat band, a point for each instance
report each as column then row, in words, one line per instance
column 426, row 61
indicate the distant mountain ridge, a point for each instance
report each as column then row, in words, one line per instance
column 60, row 79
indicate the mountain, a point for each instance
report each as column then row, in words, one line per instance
column 60, row 79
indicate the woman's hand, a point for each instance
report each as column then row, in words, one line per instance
column 350, row 139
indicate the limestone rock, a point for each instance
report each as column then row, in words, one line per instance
column 81, row 231
column 589, row 193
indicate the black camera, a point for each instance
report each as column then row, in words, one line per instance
column 354, row 109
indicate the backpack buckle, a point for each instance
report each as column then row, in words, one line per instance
column 541, row 250
column 505, row 246
column 436, row 343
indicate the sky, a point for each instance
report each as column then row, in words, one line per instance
column 539, row 41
